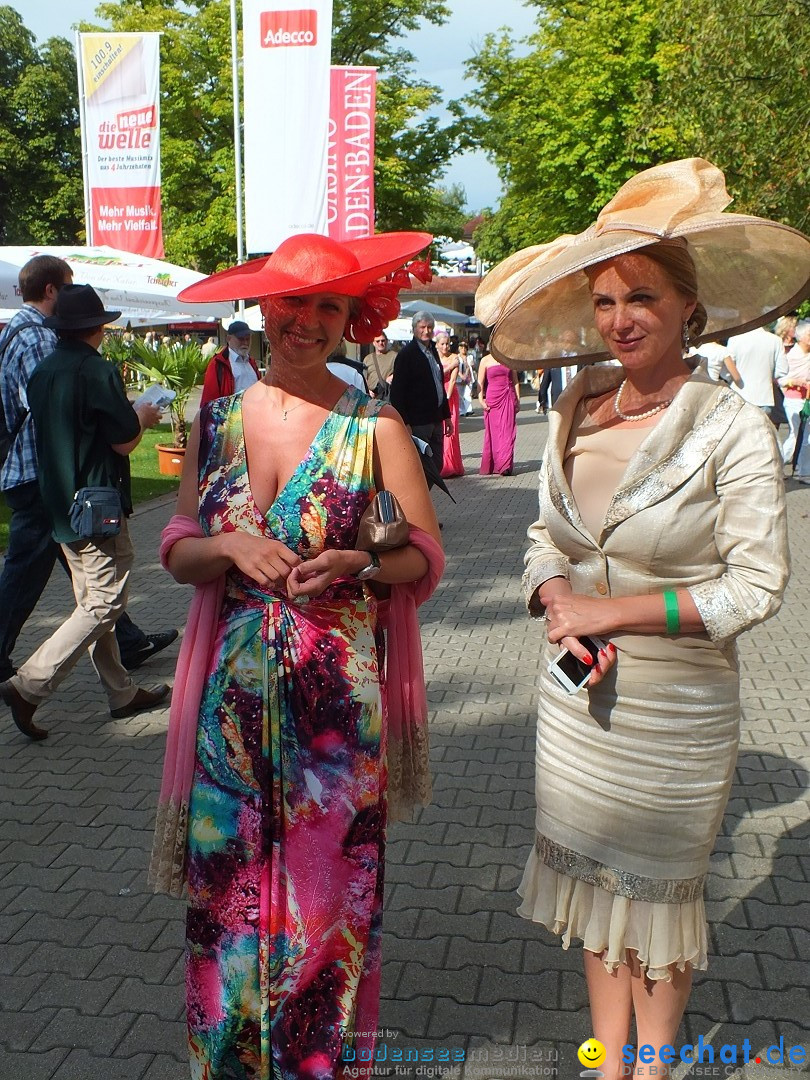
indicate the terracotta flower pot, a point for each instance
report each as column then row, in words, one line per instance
column 170, row 459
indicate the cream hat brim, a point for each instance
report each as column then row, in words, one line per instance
column 749, row 271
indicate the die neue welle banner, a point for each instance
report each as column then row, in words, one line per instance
column 119, row 77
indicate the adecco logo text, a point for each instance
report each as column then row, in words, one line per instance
column 289, row 28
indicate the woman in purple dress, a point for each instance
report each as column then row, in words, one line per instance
column 500, row 399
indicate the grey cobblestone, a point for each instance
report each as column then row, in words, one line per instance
column 96, row 1034
column 80, row 1064
column 91, row 975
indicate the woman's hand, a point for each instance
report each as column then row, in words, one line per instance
column 572, row 615
column 314, row 576
column 603, row 661
column 265, row 561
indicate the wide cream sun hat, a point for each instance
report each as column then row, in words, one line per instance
column 750, row 270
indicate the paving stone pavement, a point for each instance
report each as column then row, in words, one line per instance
column 91, row 962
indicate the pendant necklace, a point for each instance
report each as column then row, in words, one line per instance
column 617, row 407
column 284, row 412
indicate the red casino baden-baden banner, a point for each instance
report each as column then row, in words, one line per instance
column 350, row 178
column 286, row 50
column 120, row 109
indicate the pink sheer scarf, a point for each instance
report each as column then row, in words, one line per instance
column 404, row 703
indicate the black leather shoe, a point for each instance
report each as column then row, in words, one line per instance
column 144, row 699
column 22, row 712
column 155, row 643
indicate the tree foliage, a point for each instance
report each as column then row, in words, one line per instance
column 40, row 152
column 738, row 83
column 566, row 124
column 608, row 89
column 197, row 155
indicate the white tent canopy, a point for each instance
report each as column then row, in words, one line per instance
column 446, row 314
column 252, row 316
column 133, row 284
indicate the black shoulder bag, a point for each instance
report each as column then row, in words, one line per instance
column 95, row 513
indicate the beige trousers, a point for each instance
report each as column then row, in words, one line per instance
column 100, row 572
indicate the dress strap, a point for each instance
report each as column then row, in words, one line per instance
column 369, row 411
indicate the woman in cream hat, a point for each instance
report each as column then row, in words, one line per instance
column 284, row 756
column 662, row 532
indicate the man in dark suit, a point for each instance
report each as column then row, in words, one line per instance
column 417, row 388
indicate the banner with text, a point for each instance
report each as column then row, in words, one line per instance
column 286, row 69
column 350, row 161
column 119, row 82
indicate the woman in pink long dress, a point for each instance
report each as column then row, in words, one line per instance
column 500, row 399
column 452, row 465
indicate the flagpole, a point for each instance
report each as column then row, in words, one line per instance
column 237, row 142
column 88, row 213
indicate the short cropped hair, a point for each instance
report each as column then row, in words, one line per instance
column 40, row 272
column 422, row 316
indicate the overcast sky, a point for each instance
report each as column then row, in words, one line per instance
column 441, row 52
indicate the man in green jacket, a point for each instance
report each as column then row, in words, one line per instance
column 85, row 429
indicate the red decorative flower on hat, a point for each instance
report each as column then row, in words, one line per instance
column 378, row 307
column 379, row 304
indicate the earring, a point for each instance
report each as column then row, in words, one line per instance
column 685, row 336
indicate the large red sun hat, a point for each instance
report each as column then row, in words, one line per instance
column 310, row 263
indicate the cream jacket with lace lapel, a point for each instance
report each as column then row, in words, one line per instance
column 700, row 506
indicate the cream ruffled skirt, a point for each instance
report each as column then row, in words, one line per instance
column 662, row 935
column 631, row 782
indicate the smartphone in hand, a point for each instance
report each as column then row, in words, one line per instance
column 571, row 672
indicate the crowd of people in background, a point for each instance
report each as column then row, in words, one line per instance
column 280, row 551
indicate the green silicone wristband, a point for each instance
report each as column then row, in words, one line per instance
column 673, row 615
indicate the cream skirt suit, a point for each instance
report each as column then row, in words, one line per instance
column 633, row 776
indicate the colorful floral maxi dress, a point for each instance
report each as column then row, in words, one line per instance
column 287, row 809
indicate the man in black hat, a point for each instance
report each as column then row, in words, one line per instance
column 232, row 368
column 31, row 551
column 84, row 430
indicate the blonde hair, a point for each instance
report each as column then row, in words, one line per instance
column 674, row 259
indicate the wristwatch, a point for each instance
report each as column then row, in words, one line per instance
column 371, row 570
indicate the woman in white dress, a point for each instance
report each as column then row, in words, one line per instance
column 465, row 379
column 661, row 531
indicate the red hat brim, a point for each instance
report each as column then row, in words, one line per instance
column 361, row 262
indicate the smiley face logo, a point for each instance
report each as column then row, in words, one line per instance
column 592, row 1054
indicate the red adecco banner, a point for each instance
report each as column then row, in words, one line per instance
column 350, row 154
column 119, row 82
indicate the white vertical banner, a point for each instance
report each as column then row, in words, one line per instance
column 119, row 87
column 286, row 75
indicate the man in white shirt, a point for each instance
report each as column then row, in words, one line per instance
column 209, row 348
column 759, row 358
column 233, row 368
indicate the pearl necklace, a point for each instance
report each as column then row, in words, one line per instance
column 617, row 407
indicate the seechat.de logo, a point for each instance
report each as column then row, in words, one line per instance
column 289, row 28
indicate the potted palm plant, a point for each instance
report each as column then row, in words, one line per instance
column 180, row 368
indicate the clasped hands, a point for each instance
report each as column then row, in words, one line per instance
column 570, row 616
column 272, row 564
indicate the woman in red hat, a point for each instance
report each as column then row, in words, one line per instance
column 274, row 801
